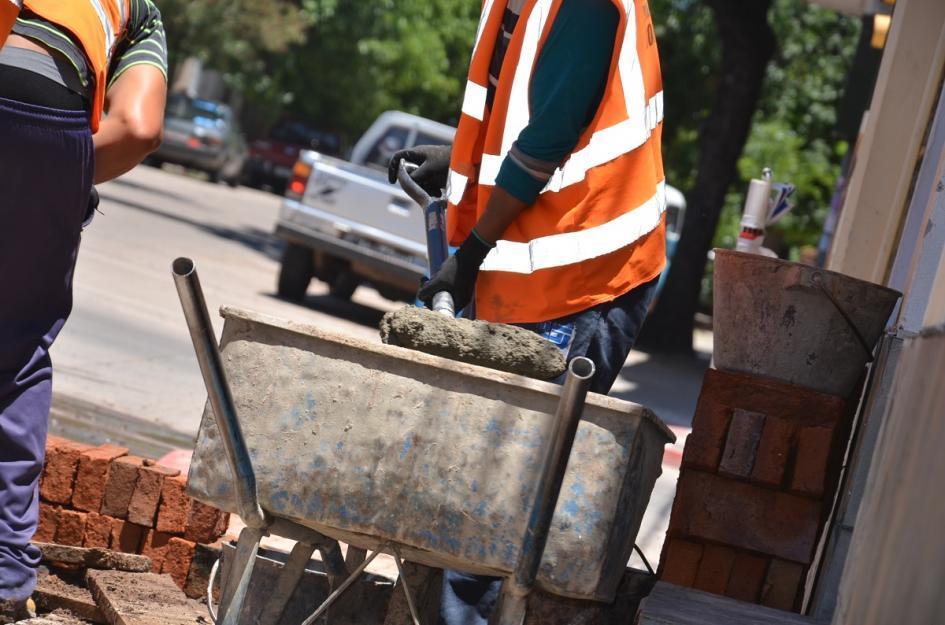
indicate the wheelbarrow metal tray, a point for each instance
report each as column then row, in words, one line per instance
column 369, row 443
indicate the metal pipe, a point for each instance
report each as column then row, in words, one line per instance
column 218, row 390
column 510, row 609
column 335, row 594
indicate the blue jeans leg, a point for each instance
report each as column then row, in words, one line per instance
column 46, row 173
column 605, row 334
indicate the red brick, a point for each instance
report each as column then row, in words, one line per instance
column 177, row 560
column 681, row 562
column 48, row 522
column 92, row 476
column 810, row 465
column 71, row 528
column 709, row 424
column 62, row 459
column 782, row 585
column 126, row 537
column 719, row 510
column 155, row 546
column 205, row 524
column 715, row 569
column 198, row 578
column 747, row 578
column 98, row 531
column 741, row 443
column 143, row 507
column 175, row 506
column 723, row 392
column 122, row 477
column 777, row 441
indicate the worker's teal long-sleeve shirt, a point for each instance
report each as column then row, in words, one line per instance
column 565, row 92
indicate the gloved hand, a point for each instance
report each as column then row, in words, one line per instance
column 434, row 162
column 458, row 274
column 92, row 207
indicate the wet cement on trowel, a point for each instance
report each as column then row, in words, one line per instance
column 494, row 345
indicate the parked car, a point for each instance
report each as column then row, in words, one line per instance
column 202, row 135
column 344, row 224
column 270, row 160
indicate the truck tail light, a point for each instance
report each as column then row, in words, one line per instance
column 296, row 186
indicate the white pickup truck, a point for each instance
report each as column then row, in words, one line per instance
column 344, row 224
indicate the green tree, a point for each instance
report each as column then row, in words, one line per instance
column 792, row 107
column 339, row 64
column 368, row 57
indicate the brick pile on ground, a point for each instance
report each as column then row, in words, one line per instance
column 79, row 585
column 758, row 474
column 101, row 497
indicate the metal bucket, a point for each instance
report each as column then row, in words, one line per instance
column 796, row 323
column 370, row 443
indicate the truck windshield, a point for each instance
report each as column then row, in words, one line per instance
column 393, row 140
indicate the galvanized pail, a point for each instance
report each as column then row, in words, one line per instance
column 796, row 323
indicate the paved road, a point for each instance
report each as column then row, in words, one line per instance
column 126, row 346
column 124, row 366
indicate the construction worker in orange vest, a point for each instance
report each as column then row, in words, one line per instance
column 62, row 64
column 555, row 188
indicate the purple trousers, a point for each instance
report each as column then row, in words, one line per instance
column 46, row 166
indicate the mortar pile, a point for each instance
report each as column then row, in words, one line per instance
column 495, row 345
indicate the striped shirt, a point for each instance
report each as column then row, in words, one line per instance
column 142, row 43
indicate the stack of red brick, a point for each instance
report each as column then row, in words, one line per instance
column 102, row 497
column 758, row 476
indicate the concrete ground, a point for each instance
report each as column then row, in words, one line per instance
column 124, row 366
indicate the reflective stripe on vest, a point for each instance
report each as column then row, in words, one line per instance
column 608, row 196
column 96, row 26
column 558, row 250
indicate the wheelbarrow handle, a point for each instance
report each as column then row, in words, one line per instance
column 410, row 186
column 437, row 249
column 218, row 390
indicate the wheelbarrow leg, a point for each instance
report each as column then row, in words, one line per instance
column 513, row 598
column 236, row 584
column 289, row 578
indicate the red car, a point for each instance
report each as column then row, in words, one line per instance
column 270, row 160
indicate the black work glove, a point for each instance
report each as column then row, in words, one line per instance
column 458, row 274
column 92, row 207
column 434, row 162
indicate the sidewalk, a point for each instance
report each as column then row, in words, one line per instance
column 668, row 385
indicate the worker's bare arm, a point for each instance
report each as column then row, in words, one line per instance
column 134, row 124
column 502, row 209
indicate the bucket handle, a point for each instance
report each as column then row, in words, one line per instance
column 818, row 280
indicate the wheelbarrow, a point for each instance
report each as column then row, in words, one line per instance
column 321, row 438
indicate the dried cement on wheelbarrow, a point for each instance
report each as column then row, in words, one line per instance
column 494, row 345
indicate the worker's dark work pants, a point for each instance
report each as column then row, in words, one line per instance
column 605, row 334
column 46, row 161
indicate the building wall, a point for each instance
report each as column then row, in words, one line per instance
column 896, row 564
column 878, row 194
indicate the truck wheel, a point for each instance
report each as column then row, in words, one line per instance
column 343, row 284
column 295, row 273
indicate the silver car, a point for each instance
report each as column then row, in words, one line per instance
column 202, row 135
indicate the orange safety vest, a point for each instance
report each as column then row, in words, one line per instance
column 597, row 229
column 9, row 9
column 96, row 25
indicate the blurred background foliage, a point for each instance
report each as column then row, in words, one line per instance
column 793, row 131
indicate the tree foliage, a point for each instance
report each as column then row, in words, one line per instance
column 337, row 63
column 793, row 130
